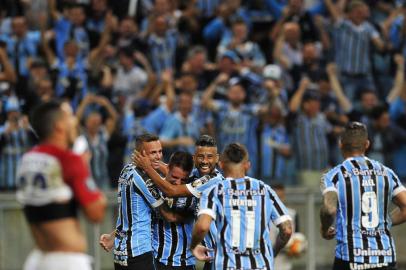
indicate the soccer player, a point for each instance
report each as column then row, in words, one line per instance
column 356, row 200
column 203, row 176
column 137, row 195
column 52, row 183
column 170, row 240
column 243, row 209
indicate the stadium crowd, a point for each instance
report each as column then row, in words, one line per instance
column 278, row 76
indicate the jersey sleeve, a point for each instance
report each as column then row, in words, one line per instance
column 328, row 182
column 279, row 213
column 83, row 186
column 207, row 202
column 397, row 186
column 147, row 190
column 199, row 185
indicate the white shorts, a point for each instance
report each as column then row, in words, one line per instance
column 38, row 260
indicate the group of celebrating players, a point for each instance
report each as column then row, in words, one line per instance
column 201, row 207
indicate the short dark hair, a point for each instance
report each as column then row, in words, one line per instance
column 206, row 141
column 145, row 138
column 181, row 159
column 44, row 117
column 354, row 137
column 278, row 186
column 234, row 153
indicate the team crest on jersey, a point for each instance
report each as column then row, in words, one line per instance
column 200, row 181
column 169, row 202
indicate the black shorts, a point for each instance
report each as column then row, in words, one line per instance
column 144, row 261
column 207, row 266
column 345, row 265
column 161, row 266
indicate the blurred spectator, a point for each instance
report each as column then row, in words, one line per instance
column 97, row 134
column 182, row 129
column 70, row 26
column 275, row 145
column 397, row 32
column 128, row 36
column 22, row 46
column 71, row 76
column 160, row 8
column 273, row 87
column 353, row 51
column 397, row 111
column 197, row 64
column 15, row 140
column 384, row 135
column 7, row 73
column 234, row 121
column 227, row 12
column 162, row 44
column 309, row 128
column 288, row 50
column 95, row 23
column 130, row 79
column 294, row 11
column 237, row 40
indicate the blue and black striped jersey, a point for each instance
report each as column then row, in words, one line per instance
column 199, row 184
column 137, row 195
column 171, row 241
column 243, row 210
column 365, row 189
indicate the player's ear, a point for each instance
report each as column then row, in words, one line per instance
column 247, row 165
column 221, row 165
column 367, row 144
column 59, row 126
column 217, row 158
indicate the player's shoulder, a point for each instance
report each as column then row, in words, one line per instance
column 131, row 171
column 383, row 169
column 66, row 157
column 333, row 171
column 258, row 182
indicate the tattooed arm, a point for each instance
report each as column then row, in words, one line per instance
column 328, row 213
column 285, row 231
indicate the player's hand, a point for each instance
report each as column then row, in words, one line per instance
column 201, row 253
column 107, row 242
column 329, row 234
column 140, row 160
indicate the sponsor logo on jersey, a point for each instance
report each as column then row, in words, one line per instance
column 372, row 252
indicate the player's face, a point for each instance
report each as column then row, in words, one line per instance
column 206, row 159
column 153, row 150
column 177, row 176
